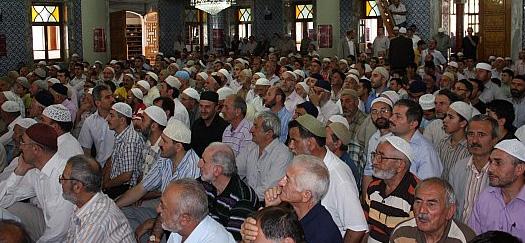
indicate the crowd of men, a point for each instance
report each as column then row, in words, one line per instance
column 279, row 147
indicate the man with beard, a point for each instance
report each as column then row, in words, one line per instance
column 491, row 91
column 379, row 82
column 517, row 90
column 96, row 218
column 320, row 97
column 501, row 206
column 350, row 106
column 274, row 100
column 288, row 82
column 390, row 195
column 469, row 176
column 154, row 121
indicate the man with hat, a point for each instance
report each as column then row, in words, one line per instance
column 184, row 78
column 308, row 136
column 11, row 156
column 427, row 103
column 39, row 166
column 190, row 99
column 434, row 130
column 59, row 92
column 305, row 108
column 350, row 106
column 21, row 88
column 338, row 140
column 123, row 169
column 72, row 93
column 40, row 101
column 320, row 97
column 501, row 206
column 210, row 126
column 491, row 91
column 153, row 92
column 10, row 114
column 176, row 161
column 442, row 41
column 170, row 88
column 59, row 118
column 379, row 81
column 261, row 88
column 154, row 121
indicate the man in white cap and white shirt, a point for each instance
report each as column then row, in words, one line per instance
column 190, row 99
column 170, row 88
column 10, row 113
column 58, row 117
column 261, row 87
column 153, row 92
column 20, row 127
column 123, row 169
column 177, row 160
column 153, row 123
column 491, row 90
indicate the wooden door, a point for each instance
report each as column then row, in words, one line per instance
column 495, row 28
column 117, row 26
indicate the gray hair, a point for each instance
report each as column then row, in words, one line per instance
column 270, row 122
column 41, row 84
column 314, row 176
column 247, row 73
column 450, row 196
column 224, row 156
column 86, row 170
column 97, row 91
column 239, row 103
column 192, row 199
column 493, row 123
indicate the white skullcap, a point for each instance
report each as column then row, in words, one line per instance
column 260, row 75
column 75, row 55
column 382, row 71
column 178, row 131
column 368, row 68
column 99, row 62
column 500, row 58
column 113, row 62
column 441, row 30
column 271, row 49
column 130, row 75
column 173, row 82
column 123, row 109
column 153, row 75
column 354, row 72
column 426, row 102
column 174, row 59
column 40, row 72
column 305, row 86
column 484, row 66
column 391, row 95
column 225, row 73
column 53, row 81
column 326, row 59
column 56, row 67
column 396, row 28
column 263, row 81
column 110, row 69
column 453, row 64
column 460, row 54
column 25, row 122
column 520, row 133
column 229, row 59
column 514, row 147
column 299, row 72
column 224, row 92
column 353, row 76
column 344, row 61
column 508, row 59
column 339, row 119
column 10, row 106
column 492, row 57
column 463, row 109
column 157, row 115
column 57, row 113
column 294, row 76
column 137, row 93
column 42, row 63
column 192, row 93
column 402, row 30
column 90, row 91
column 144, row 84
column 203, row 75
column 382, row 99
column 402, row 146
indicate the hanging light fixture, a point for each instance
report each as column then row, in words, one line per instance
column 212, row 7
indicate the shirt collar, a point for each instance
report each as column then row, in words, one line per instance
column 11, row 125
column 119, row 137
column 52, row 164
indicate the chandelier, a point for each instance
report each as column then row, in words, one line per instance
column 212, row 7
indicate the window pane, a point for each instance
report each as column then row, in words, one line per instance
column 304, row 11
column 53, row 38
column 372, row 10
column 54, row 54
column 37, row 55
column 45, row 14
column 38, row 38
column 245, row 14
column 249, row 30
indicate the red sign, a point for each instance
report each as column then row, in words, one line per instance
column 99, row 40
column 325, row 36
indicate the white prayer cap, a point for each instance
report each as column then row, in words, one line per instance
column 463, row 109
column 305, row 86
column 123, row 109
column 173, row 82
column 42, row 63
column 99, row 62
column 160, row 53
column 514, row 147
column 508, row 59
column 453, row 64
column 113, row 62
column 75, row 55
column 354, row 72
column 137, row 93
column 344, row 61
column 520, row 133
column 294, row 76
column 441, row 30
column 229, row 59
column 57, row 113
column 500, row 58
column 382, row 99
column 56, row 67
column 53, row 81
column 157, row 115
column 382, row 71
column 426, row 102
column 10, row 106
column 271, row 49
column 368, row 68
column 492, row 58
column 402, row 30
column 299, row 72
column 460, row 54
column 173, row 59
column 402, row 146
column 224, row 92
column 396, row 28
column 40, row 72
column 354, row 77
column 326, row 59
column 144, row 84
column 225, row 73
column 178, row 131
column 153, row 75
column 262, row 81
column 484, row 66
column 90, row 91
column 391, row 95
column 203, row 75
column 25, row 122
column 10, row 95
column 340, row 119
column 191, row 92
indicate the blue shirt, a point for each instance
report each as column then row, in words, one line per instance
column 319, row 227
column 285, row 117
column 161, row 174
column 426, row 163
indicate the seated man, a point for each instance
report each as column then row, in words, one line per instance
column 230, row 200
column 278, row 224
column 434, row 209
column 183, row 210
column 96, row 217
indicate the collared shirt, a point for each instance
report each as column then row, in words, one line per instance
column 342, row 198
column 75, row 82
column 385, row 212
column 426, row 162
column 519, row 107
column 450, row 154
column 181, row 113
column 68, row 146
column 7, row 137
column 356, row 122
column 72, row 107
column 434, row 131
column 329, row 109
column 455, row 232
column 319, row 227
column 162, row 172
column 263, row 169
column 439, row 59
column 99, row 220
column 491, row 92
column 95, row 131
column 353, row 158
column 284, row 117
column 233, row 205
column 292, row 101
column 127, row 154
column 492, row 213
column 207, row 231
column 150, row 154
column 351, row 46
column 44, row 185
column 202, row 135
column 239, row 138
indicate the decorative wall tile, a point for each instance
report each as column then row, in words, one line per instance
column 349, row 15
column 523, row 27
column 419, row 13
column 75, row 27
column 171, row 19
column 14, row 24
column 263, row 28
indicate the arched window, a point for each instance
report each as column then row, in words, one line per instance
column 304, row 22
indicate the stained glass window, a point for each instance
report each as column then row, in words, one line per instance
column 47, row 31
column 45, row 14
column 245, row 14
column 305, row 11
column 371, row 9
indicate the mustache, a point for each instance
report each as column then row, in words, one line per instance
column 423, row 216
column 475, row 145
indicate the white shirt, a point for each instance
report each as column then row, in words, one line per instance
column 439, row 59
column 152, row 94
column 292, row 101
column 42, row 184
column 8, row 136
column 95, row 131
column 329, row 109
column 181, row 113
column 258, row 104
column 68, row 146
column 342, row 198
column 491, row 92
column 207, row 231
column 351, row 46
column 434, row 131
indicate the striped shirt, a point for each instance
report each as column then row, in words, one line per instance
column 161, row 174
column 450, row 154
column 127, row 154
column 477, row 181
column 99, row 220
column 240, row 137
column 284, row 117
column 150, row 154
column 455, row 232
column 385, row 212
column 233, row 205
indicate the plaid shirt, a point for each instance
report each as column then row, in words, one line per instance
column 127, row 154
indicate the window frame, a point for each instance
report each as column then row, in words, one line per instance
column 303, row 21
column 61, row 23
column 247, row 25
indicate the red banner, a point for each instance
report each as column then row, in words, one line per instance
column 325, row 36
column 99, row 40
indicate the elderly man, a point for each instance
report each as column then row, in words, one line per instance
column 58, row 117
column 274, row 99
column 390, row 195
column 183, row 210
column 96, row 217
column 500, row 206
column 210, row 126
column 237, row 135
column 320, row 97
column 230, row 200
column 350, row 106
column 36, row 176
column 278, row 224
column 261, row 87
column 434, row 208
column 263, row 162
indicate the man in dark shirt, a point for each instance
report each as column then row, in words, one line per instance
column 470, row 44
column 401, row 51
column 210, row 126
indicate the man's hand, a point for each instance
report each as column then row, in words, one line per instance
column 271, row 196
column 23, row 167
column 145, row 227
column 249, row 230
column 314, row 97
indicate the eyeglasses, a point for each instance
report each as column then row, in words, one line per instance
column 380, row 157
column 61, row 178
column 382, row 111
